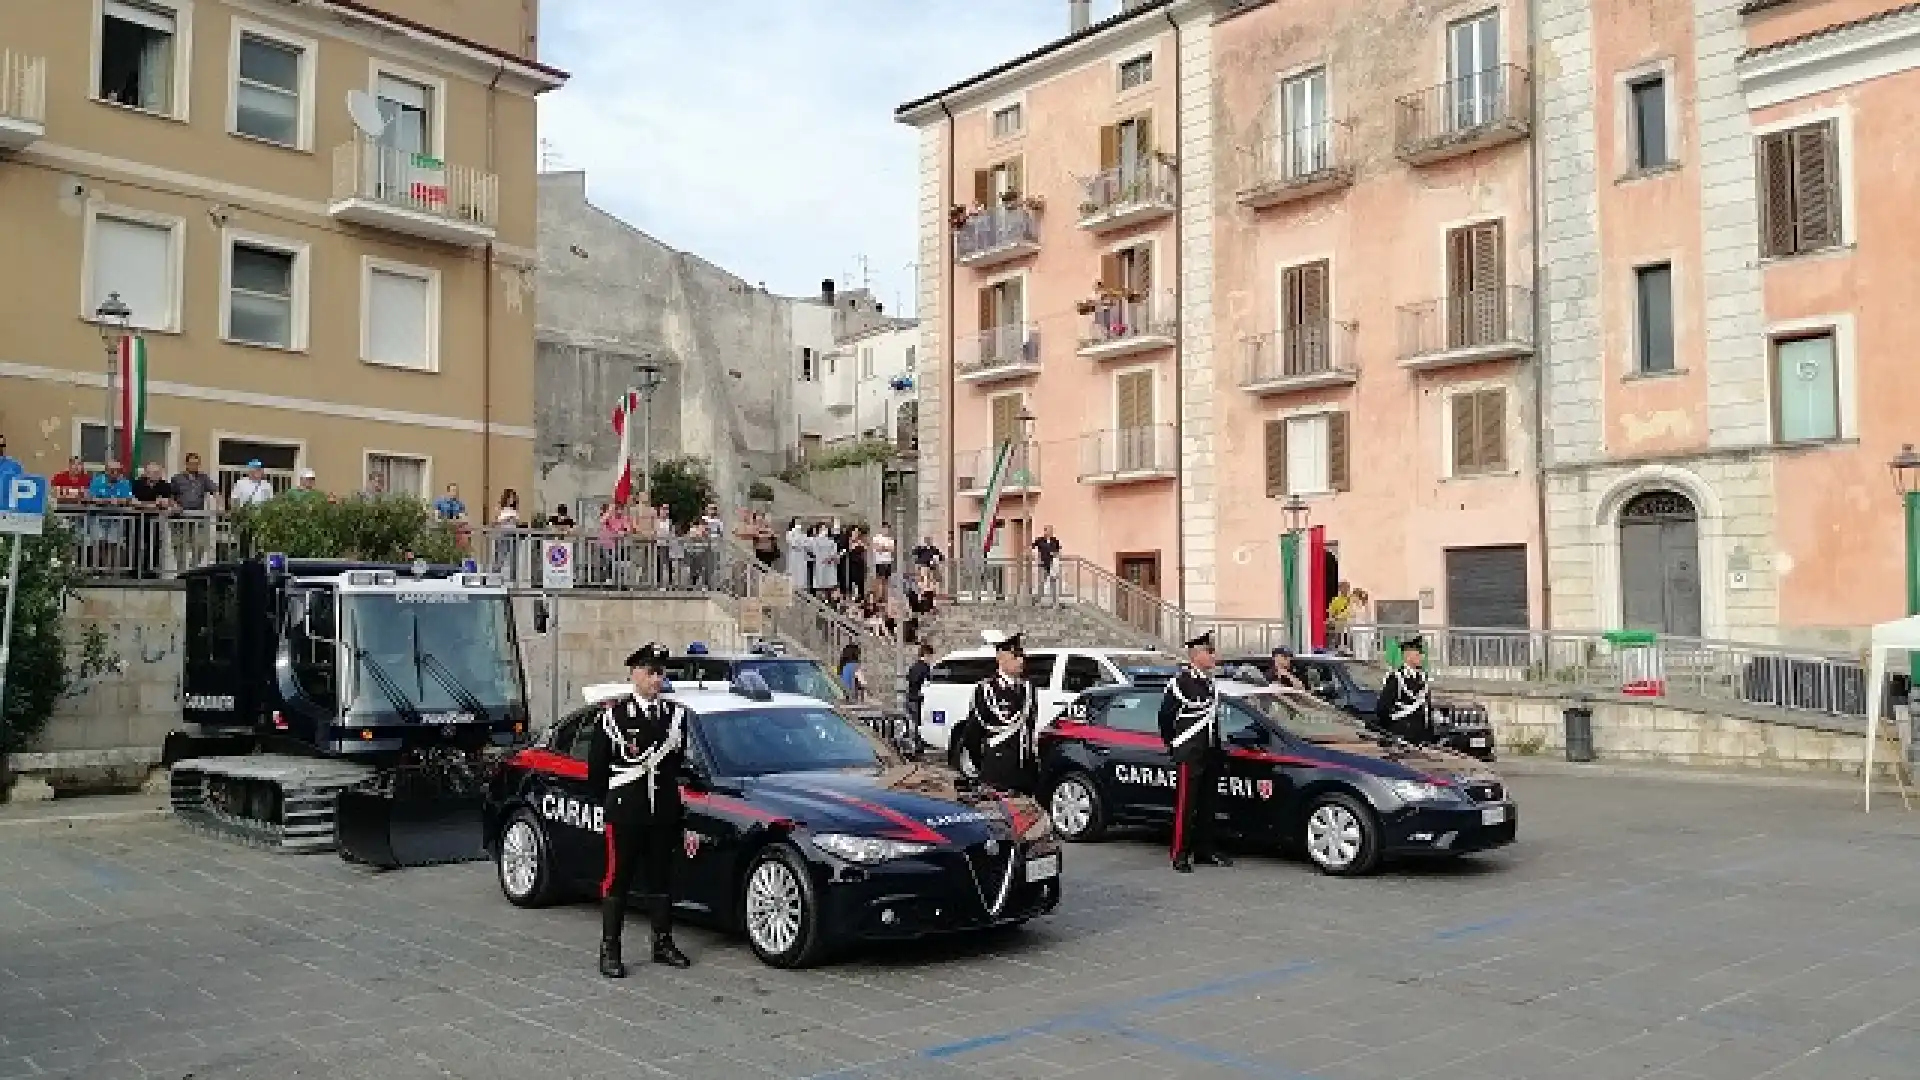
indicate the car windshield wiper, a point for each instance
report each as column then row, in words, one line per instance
column 387, row 686
column 431, row 664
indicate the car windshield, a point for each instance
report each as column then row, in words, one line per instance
column 756, row 742
column 439, row 651
column 1303, row 716
column 1126, row 661
column 783, row 676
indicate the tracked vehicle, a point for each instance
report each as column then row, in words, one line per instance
column 345, row 706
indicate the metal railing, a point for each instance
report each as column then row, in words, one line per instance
column 1153, row 315
column 990, row 231
column 364, row 169
column 1463, row 109
column 23, row 87
column 1299, row 352
column 1473, row 320
column 621, row 561
column 1126, row 187
column 1116, row 453
column 998, row 348
column 1294, row 157
column 973, row 471
column 134, row 543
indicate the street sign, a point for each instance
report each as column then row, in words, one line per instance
column 556, row 564
column 23, row 504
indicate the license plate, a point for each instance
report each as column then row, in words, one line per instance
column 1477, row 744
column 1044, row 868
column 1492, row 815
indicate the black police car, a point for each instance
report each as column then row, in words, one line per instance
column 803, row 831
column 1298, row 773
column 783, row 674
column 1353, row 687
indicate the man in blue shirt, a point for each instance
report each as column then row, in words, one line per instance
column 448, row 506
column 112, row 485
column 110, row 489
column 8, row 466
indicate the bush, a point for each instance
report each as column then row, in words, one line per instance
column 40, row 671
column 760, row 491
column 864, row 452
column 390, row 529
column 684, row 484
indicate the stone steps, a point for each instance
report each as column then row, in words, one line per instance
column 958, row 626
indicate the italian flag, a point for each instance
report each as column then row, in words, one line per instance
column 133, row 401
column 623, row 427
column 1304, row 589
column 990, row 506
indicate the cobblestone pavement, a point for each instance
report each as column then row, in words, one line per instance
column 1638, row 929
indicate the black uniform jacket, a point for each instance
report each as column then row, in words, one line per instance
column 1189, row 715
column 637, row 755
column 1002, row 723
column 1405, row 707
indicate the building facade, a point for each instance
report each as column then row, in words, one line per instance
column 862, row 387
column 320, row 283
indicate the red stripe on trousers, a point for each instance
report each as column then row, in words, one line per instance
column 1180, row 810
column 606, row 883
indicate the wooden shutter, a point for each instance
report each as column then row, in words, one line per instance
column 1816, row 199
column 1339, row 453
column 1140, row 277
column 1466, row 458
column 986, row 309
column 1134, row 404
column 1776, row 195
column 1014, row 177
column 1143, row 136
column 1304, row 320
column 1006, row 418
column 983, row 187
column 1109, row 147
column 1111, row 274
column 1490, row 420
column 1276, row 459
column 1489, row 256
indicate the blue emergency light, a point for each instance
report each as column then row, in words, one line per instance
column 469, row 566
column 697, row 648
column 276, row 563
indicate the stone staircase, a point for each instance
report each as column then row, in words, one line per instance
column 957, row 625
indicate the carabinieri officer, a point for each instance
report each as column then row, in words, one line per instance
column 1189, row 722
column 1406, row 707
column 633, row 766
column 1002, row 723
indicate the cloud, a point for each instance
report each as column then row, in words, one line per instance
column 759, row 134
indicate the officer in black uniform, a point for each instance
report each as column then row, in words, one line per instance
column 634, row 765
column 1189, row 722
column 1002, row 728
column 1405, row 708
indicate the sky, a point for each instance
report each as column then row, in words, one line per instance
column 759, row 134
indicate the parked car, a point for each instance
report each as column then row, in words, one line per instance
column 784, row 675
column 1060, row 674
column 1353, row 687
column 1300, row 774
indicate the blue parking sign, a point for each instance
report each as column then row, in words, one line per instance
column 23, row 503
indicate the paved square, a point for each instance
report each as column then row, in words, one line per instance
column 1639, row 929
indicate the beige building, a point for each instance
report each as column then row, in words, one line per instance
column 319, row 215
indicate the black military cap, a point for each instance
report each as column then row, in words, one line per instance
column 1413, row 643
column 1007, row 643
column 651, row 655
column 1204, row 641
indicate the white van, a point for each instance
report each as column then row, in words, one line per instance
column 1059, row 674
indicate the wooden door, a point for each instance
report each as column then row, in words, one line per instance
column 1142, row 571
column 1476, row 285
column 1304, row 333
column 1133, row 413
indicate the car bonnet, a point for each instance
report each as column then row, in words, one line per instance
column 1401, row 762
column 904, row 803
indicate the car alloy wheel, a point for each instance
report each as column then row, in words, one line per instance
column 1075, row 808
column 524, row 876
column 773, row 907
column 1341, row 838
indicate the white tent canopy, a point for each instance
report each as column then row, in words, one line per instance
column 1901, row 635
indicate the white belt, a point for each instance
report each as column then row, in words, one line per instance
column 998, row 736
column 1410, row 708
column 1192, row 731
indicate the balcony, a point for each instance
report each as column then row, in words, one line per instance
column 23, row 100
column 1295, row 165
column 1119, row 327
column 1471, row 113
column 1129, row 195
column 1307, row 357
column 1128, row 455
column 1485, row 324
column 992, row 237
column 973, row 472
column 998, row 353
column 383, row 188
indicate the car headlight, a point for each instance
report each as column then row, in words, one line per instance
column 1420, row 791
column 867, row 850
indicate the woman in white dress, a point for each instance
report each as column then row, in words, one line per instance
column 826, row 557
column 797, row 554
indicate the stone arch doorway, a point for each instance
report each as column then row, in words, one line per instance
column 1660, row 564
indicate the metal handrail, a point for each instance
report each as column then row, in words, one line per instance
column 1116, row 452
column 1110, row 191
column 992, row 230
column 999, row 348
column 1320, row 348
column 23, row 87
column 1297, row 155
column 1498, row 96
column 1477, row 318
column 1117, row 320
column 365, row 169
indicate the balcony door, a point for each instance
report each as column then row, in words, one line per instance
column 1473, row 70
column 1126, row 148
column 1002, row 316
column 1476, row 305
column 1303, row 125
column 1133, row 421
column 1304, row 319
column 407, row 107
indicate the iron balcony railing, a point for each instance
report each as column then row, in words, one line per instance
column 995, row 230
column 1471, row 107
column 366, row 170
column 998, row 348
column 134, row 543
column 23, row 87
column 1113, row 321
column 1115, row 191
column 1479, row 319
column 1296, row 157
column 1116, row 453
column 1304, row 351
column 974, row 471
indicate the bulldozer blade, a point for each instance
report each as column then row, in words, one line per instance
column 383, row 831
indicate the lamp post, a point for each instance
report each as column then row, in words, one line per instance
column 115, row 320
column 1295, row 512
column 1026, row 421
column 648, row 378
column 1905, row 468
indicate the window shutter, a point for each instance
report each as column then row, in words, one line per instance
column 1111, row 274
column 1313, row 294
column 1490, row 418
column 1489, row 257
column 1109, row 147
column 983, row 187
column 1293, row 297
column 1339, row 451
column 1006, row 423
column 1014, row 179
column 1776, row 195
column 1141, row 278
column 1459, row 262
column 1276, row 458
column 1816, row 203
column 1135, row 406
column 1466, row 460
column 1143, row 131
column 986, row 309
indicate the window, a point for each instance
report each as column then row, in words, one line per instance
column 1008, row 122
column 399, row 474
column 1476, row 286
column 1305, row 338
column 140, row 260
column 154, row 446
column 1308, row 455
column 806, row 365
column 1653, row 305
column 407, row 107
column 866, row 363
column 1649, row 122
column 991, row 183
column 1479, row 431
column 1133, row 711
column 910, row 361
column 1039, row 669
column 137, row 61
column 1082, row 674
column 402, row 317
column 966, row 670
column 833, row 363
column 1473, row 70
column 277, row 460
column 1136, row 72
column 268, row 79
column 1799, row 190
column 263, row 290
column 1303, row 118
column 1806, row 388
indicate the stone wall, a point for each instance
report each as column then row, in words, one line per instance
column 590, row 634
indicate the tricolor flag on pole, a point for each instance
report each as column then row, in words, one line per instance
column 990, row 506
column 623, row 427
column 133, row 401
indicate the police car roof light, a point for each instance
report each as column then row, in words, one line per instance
column 277, row 563
column 469, row 566
column 697, row 648
column 749, row 684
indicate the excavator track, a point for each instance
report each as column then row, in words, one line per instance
column 272, row 801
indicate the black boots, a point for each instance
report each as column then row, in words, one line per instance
column 1183, row 864
column 610, row 964
column 666, row 952
column 1217, row 859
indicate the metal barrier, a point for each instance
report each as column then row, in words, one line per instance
column 132, row 543
column 624, row 562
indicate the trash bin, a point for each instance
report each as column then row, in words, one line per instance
column 1641, row 672
column 1579, row 720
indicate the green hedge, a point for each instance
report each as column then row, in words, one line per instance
column 313, row 526
column 41, row 668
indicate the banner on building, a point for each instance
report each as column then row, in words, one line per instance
column 990, row 506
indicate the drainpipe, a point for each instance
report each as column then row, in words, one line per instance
column 946, row 429
column 1179, row 335
column 1542, row 339
column 486, row 305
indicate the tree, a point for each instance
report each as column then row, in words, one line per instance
column 376, row 529
column 684, row 484
column 41, row 669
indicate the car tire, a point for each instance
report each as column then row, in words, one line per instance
column 1341, row 836
column 780, row 909
column 524, row 862
column 1078, row 813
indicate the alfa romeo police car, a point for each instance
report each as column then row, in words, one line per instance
column 815, row 825
column 1299, row 773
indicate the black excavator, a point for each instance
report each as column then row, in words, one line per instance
column 351, row 706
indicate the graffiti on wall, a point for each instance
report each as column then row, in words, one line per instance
column 140, row 653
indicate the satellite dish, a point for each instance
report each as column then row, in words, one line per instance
column 364, row 108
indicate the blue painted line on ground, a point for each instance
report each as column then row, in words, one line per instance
column 1476, row 929
column 1210, row 1055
